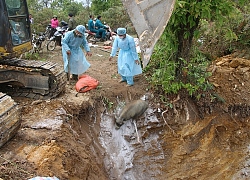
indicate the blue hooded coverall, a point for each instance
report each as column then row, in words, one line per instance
column 78, row 63
column 127, row 67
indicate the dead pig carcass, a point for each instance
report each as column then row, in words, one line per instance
column 132, row 110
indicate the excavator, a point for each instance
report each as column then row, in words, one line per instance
column 45, row 80
column 19, row 77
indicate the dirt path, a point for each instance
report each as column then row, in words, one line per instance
column 73, row 138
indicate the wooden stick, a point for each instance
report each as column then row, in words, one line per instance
column 68, row 69
column 162, row 114
column 138, row 138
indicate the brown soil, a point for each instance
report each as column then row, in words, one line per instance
column 72, row 137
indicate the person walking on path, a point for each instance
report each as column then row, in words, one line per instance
column 73, row 54
column 128, row 61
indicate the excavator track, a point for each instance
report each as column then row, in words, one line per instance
column 10, row 120
column 32, row 79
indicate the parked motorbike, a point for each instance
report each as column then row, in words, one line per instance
column 93, row 37
column 37, row 41
column 55, row 40
column 47, row 31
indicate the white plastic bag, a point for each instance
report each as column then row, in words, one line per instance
column 44, row 178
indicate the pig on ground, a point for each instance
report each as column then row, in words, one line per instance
column 132, row 110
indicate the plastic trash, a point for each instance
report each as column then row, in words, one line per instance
column 44, row 178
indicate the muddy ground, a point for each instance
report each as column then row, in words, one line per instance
column 73, row 138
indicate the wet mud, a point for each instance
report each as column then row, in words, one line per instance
column 132, row 155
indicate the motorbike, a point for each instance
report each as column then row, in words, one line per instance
column 55, row 40
column 37, row 41
column 93, row 37
column 47, row 31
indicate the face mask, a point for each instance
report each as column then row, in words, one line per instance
column 121, row 37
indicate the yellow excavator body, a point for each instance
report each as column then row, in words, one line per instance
column 19, row 77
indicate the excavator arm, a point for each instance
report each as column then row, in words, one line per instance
column 149, row 18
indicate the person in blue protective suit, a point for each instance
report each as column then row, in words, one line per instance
column 73, row 54
column 101, row 28
column 128, row 61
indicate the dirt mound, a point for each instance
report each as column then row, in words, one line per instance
column 230, row 76
column 52, row 141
